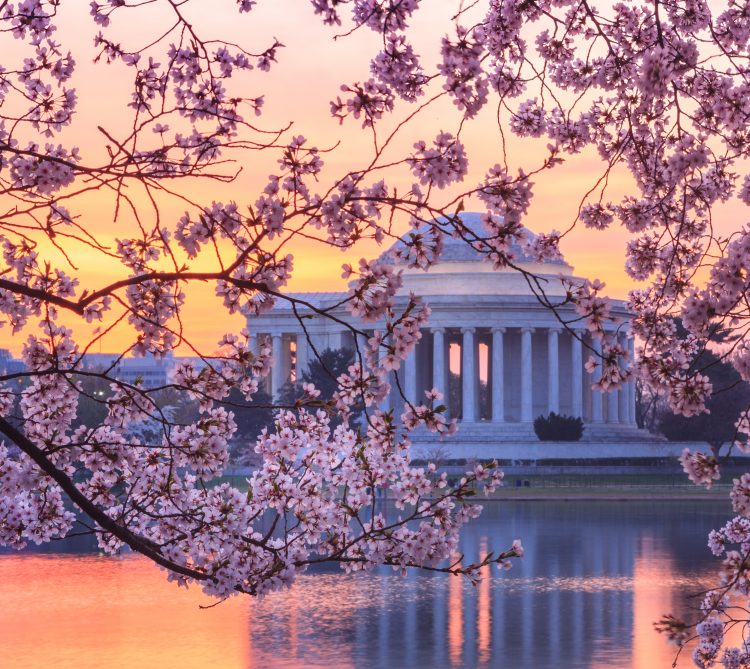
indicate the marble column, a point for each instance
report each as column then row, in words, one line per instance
column 336, row 340
column 360, row 357
column 438, row 362
column 527, row 388
column 319, row 343
column 286, row 359
column 613, row 406
column 252, row 344
column 553, row 371
column 385, row 403
column 624, row 394
column 302, row 355
column 498, row 378
column 360, row 347
column 597, row 415
column 410, row 377
column 277, row 370
column 468, row 375
column 577, row 373
column 631, row 384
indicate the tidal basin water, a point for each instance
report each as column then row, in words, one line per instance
column 595, row 577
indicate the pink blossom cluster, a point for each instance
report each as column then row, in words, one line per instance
column 505, row 196
column 44, row 171
column 383, row 16
column 592, row 306
column 423, row 246
column 370, row 101
column 461, row 67
column 373, row 289
column 32, row 508
column 701, row 468
column 711, row 634
column 658, row 92
column 397, row 67
column 442, row 164
column 544, row 247
column 609, row 364
column 432, row 415
column 351, row 212
column 217, row 221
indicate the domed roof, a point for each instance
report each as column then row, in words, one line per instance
column 460, row 250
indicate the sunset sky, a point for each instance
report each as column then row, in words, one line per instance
column 298, row 89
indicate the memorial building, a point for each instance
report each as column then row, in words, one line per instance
column 507, row 355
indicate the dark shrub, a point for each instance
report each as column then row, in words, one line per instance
column 558, row 428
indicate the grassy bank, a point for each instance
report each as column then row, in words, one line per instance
column 585, row 486
column 615, row 486
column 607, row 486
column 604, row 492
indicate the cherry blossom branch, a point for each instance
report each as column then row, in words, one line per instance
column 138, row 544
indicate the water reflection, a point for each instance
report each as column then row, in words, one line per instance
column 595, row 577
column 87, row 611
column 654, row 586
column 484, row 618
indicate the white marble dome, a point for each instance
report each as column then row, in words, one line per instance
column 461, row 269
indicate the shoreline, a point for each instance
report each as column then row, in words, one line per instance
column 619, row 497
column 614, row 493
column 654, row 487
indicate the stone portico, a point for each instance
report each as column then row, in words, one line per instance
column 529, row 368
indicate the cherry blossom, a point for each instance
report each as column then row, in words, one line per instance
column 654, row 91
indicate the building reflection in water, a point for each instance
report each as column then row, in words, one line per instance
column 455, row 619
column 652, row 596
column 595, row 577
column 484, row 617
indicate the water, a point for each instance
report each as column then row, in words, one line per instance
column 595, row 578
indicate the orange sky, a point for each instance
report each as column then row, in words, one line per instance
column 298, row 89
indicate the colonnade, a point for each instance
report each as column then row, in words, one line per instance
column 528, row 371
column 519, row 369
column 291, row 352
